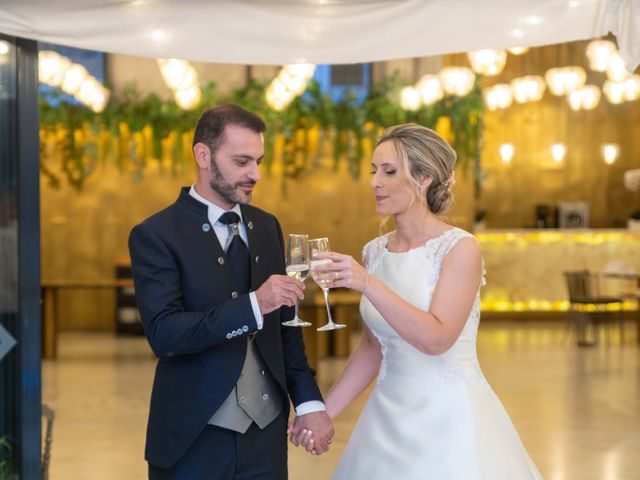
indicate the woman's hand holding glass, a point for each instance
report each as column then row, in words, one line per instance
column 317, row 247
column 339, row 270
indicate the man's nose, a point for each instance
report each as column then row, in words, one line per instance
column 254, row 172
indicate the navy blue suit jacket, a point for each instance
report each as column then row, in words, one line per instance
column 184, row 294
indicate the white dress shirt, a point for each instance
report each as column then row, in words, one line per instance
column 222, row 232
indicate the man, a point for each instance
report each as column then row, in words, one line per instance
column 210, row 286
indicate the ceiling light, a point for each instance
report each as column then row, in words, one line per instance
column 585, row 98
column 610, row 152
column 488, row 62
column 410, row 98
column 457, row 80
column 599, row 52
column 528, row 89
column 563, row 80
column 518, row 50
column 616, row 71
column 506, row 152
column 498, row 96
column 159, row 35
column 614, row 91
column 558, row 151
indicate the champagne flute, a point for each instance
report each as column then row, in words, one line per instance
column 297, row 267
column 321, row 245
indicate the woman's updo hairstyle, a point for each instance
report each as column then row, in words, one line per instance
column 424, row 153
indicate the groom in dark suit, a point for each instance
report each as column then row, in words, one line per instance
column 212, row 293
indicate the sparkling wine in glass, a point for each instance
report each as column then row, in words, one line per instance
column 297, row 267
column 321, row 245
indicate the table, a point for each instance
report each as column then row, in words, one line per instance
column 49, row 297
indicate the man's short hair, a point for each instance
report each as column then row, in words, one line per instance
column 212, row 123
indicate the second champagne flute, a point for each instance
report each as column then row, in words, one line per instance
column 321, row 245
column 297, row 267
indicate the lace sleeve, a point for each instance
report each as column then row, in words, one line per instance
column 371, row 252
column 449, row 241
column 365, row 256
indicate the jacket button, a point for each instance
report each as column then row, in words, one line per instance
column 228, row 336
column 245, row 328
column 241, row 399
column 239, row 331
column 221, row 260
column 206, row 227
column 234, row 294
column 250, row 225
column 265, row 396
column 257, row 258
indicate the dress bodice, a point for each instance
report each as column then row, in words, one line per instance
column 413, row 275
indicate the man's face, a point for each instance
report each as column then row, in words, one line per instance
column 235, row 166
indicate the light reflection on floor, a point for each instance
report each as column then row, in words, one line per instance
column 577, row 410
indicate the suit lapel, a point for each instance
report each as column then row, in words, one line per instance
column 213, row 248
column 254, row 255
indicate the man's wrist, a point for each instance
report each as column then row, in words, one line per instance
column 312, row 406
column 256, row 310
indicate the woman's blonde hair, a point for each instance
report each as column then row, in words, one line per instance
column 424, row 153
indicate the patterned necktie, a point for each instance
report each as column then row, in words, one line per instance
column 237, row 252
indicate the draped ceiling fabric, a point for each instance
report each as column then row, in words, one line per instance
column 318, row 31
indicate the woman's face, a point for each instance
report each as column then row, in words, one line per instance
column 393, row 191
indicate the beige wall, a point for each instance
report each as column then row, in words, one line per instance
column 84, row 232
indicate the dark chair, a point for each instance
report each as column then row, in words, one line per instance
column 590, row 309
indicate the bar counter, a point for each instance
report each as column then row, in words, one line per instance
column 525, row 266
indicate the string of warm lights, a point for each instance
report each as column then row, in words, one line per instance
column 58, row 71
column 603, row 56
column 558, row 151
column 430, row 88
column 290, row 82
column 180, row 76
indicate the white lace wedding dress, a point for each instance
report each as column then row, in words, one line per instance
column 429, row 417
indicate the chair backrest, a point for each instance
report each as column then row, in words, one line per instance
column 582, row 286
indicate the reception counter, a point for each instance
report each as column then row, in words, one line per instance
column 525, row 267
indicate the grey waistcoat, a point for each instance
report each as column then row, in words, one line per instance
column 255, row 397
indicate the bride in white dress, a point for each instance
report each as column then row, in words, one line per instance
column 432, row 414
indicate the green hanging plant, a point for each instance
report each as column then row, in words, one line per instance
column 130, row 132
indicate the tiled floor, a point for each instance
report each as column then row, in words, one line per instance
column 577, row 410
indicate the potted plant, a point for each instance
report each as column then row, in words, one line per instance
column 7, row 469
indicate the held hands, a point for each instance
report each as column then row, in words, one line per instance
column 313, row 431
column 343, row 271
column 277, row 291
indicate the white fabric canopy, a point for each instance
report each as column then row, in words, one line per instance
column 318, row 31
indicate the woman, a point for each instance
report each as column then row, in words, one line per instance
column 432, row 414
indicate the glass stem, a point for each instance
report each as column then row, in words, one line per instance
column 326, row 302
column 296, row 317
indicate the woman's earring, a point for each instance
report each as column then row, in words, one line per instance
column 421, row 189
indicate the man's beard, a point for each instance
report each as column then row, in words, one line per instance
column 228, row 191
